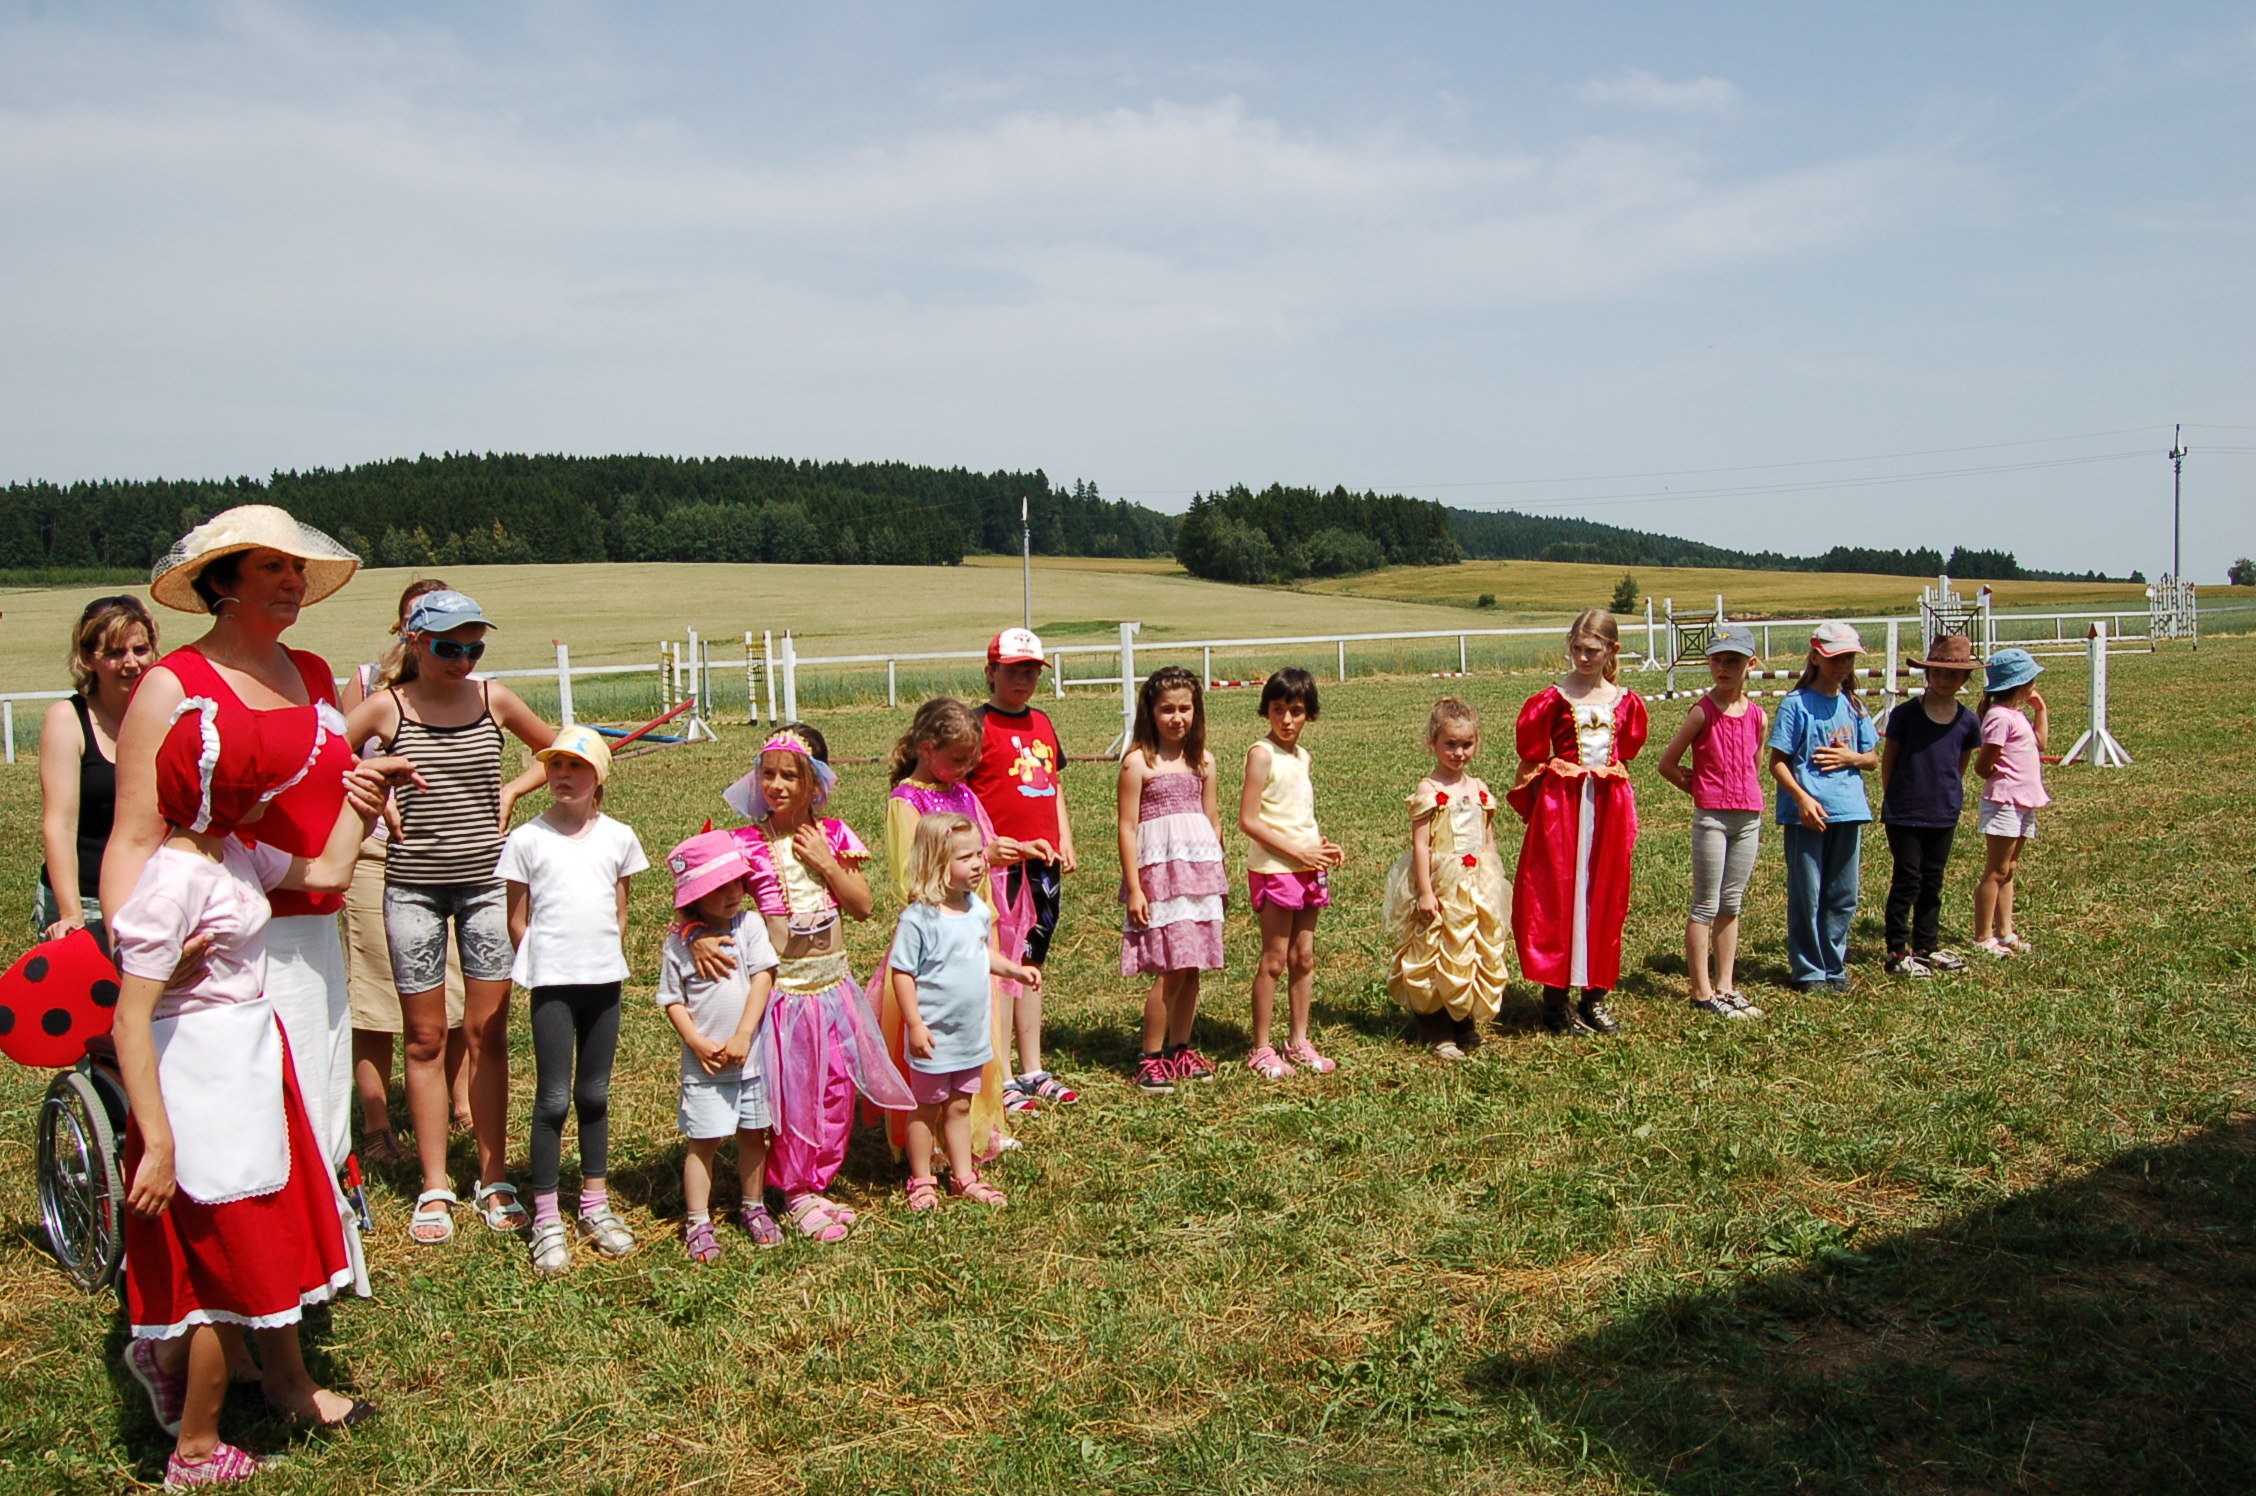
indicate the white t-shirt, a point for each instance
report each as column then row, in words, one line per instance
column 572, row 933
column 715, row 1008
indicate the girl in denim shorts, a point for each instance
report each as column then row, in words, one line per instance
column 440, row 874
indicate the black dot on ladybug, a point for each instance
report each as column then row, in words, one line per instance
column 56, row 1021
column 7, row 1019
column 35, row 970
column 105, row 994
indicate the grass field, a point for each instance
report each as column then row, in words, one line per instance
column 1553, row 587
column 1984, row 1234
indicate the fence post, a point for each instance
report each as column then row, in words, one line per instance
column 563, row 683
column 1057, row 673
column 1888, row 682
column 790, row 678
column 1668, row 606
column 1343, row 659
column 1461, row 654
column 1766, row 641
column 8, row 726
column 768, row 673
column 892, row 683
column 1206, row 668
column 751, row 683
column 1651, row 658
column 1128, row 632
column 665, row 685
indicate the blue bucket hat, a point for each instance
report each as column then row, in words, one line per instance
column 438, row 612
column 2009, row 668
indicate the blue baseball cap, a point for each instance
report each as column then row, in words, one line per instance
column 2009, row 668
column 438, row 612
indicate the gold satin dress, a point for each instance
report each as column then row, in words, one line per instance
column 1456, row 964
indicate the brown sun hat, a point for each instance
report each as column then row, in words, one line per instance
column 1950, row 652
column 249, row 527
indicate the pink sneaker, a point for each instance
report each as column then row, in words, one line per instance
column 226, row 1465
column 1268, row 1064
column 167, row 1390
column 1305, row 1056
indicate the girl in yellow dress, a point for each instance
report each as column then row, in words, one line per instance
column 1445, row 897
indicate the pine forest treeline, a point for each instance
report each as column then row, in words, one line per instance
column 465, row 508
column 471, row 509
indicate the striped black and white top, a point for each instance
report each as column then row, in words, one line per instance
column 451, row 831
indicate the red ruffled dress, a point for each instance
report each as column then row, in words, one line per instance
column 252, row 1234
column 1571, row 892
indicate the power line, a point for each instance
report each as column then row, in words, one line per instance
column 1669, row 495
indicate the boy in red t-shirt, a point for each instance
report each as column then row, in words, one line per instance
column 1019, row 782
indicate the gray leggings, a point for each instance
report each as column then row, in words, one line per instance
column 1724, row 843
column 575, row 1037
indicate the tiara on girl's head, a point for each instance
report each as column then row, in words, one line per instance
column 787, row 741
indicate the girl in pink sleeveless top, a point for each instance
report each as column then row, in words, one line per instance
column 1724, row 733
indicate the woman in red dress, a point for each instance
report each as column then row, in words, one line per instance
column 1571, row 892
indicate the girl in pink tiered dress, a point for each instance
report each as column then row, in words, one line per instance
column 821, row 1040
column 1172, row 876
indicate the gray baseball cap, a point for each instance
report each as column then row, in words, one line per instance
column 1734, row 638
column 438, row 612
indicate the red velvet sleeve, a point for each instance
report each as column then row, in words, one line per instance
column 1630, row 727
column 1533, row 737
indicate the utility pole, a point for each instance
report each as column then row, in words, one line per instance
column 1026, row 559
column 2177, row 493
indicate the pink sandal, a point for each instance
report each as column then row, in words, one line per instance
column 223, row 1466
column 811, row 1214
column 1268, row 1064
column 700, row 1243
column 977, row 1190
column 923, row 1192
column 1305, row 1056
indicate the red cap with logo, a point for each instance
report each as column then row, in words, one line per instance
column 1016, row 647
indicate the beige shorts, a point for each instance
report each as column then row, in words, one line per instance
column 368, row 956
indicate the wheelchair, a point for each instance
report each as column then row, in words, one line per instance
column 81, row 1158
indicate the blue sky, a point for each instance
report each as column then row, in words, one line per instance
column 1493, row 254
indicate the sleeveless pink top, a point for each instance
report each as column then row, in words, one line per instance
column 1727, row 758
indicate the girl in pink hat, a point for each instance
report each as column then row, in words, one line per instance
column 725, row 1080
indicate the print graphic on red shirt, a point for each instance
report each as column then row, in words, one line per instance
column 1017, row 777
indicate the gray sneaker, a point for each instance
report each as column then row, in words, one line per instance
column 1909, row 966
column 1945, row 960
column 1740, row 1007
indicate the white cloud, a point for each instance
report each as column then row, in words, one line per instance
column 1641, row 89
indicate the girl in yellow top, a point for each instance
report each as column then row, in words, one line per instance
column 1446, row 899
column 1287, row 872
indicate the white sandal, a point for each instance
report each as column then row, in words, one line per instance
column 442, row 1217
column 551, row 1249
column 606, row 1232
column 503, row 1217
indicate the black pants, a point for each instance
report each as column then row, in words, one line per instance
column 1915, row 893
column 575, row 1038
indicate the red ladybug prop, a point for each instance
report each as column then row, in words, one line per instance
column 61, row 994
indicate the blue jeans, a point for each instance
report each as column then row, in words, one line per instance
column 1821, row 897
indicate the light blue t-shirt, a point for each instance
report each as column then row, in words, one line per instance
column 947, row 954
column 1806, row 722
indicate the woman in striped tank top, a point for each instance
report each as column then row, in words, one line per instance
column 440, row 871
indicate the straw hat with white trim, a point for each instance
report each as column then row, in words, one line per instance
column 249, row 527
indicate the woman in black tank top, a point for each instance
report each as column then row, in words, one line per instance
column 115, row 641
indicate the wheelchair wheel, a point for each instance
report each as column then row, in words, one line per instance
column 81, row 1187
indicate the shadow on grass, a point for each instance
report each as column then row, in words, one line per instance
column 2098, row 1336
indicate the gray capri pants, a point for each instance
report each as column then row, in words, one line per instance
column 1724, row 843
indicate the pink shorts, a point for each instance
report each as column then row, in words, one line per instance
column 938, row 1088
column 1290, row 890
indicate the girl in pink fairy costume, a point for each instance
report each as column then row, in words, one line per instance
column 930, row 766
column 821, row 1041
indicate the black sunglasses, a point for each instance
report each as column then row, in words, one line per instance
column 125, row 600
column 455, row 649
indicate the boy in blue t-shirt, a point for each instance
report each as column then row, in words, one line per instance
column 1822, row 744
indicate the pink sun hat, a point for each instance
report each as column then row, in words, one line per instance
column 708, row 860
